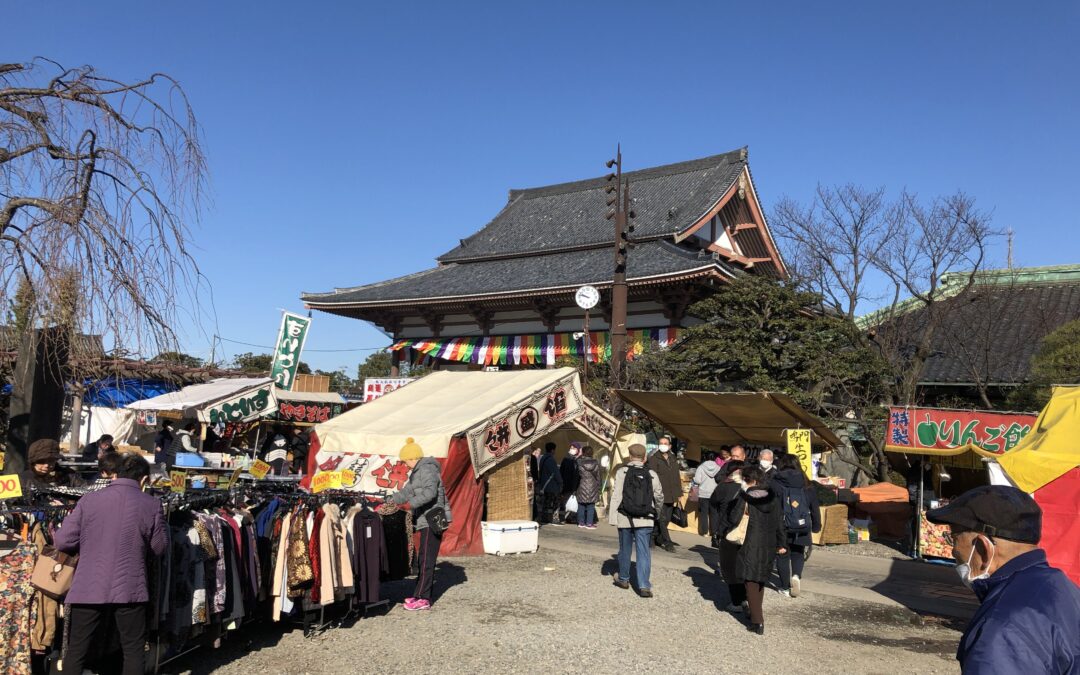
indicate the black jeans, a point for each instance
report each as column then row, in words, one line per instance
column 660, row 534
column 709, row 517
column 130, row 624
column 548, row 505
column 428, row 555
column 791, row 563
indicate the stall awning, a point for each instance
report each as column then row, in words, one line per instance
column 728, row 418
column 1050, row 450
column 218, row 401
column 499, row 413
column 542, row 348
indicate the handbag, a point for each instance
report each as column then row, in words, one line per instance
column 737, row 535
column 678, row 516
column 53, row 572
column 436, row 520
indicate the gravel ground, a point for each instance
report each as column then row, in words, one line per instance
column 555, row 612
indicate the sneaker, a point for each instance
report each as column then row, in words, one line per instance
column 734, row 609
column 796, row 585
column 410, row 601
column 785, row 593
column 645, row 593
column 419, row 606
column 591, row 527
column 583, row 526
column 669, row 548
column 619, row 583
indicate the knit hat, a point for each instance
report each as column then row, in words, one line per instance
column 410, row 451
column 43, row 451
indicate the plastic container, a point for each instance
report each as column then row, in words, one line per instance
column 503, row 537
column 189, row 459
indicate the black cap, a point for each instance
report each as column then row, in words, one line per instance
column 994, row 510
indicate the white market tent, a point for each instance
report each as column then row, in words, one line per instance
column 194, row 400
column 438, row 407
column 309, row 396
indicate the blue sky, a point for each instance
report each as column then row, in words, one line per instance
column 350, row 142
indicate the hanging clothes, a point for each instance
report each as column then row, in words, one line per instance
column 17, row 610
column 370, row 559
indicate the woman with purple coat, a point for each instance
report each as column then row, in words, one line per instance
column 113, row 531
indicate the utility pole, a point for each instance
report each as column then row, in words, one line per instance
column 619, row 203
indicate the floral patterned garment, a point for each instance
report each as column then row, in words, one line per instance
column 16, row 609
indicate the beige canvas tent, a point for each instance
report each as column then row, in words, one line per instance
column 727, row 418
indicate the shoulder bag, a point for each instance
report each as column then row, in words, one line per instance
column 738, row 534
column 53, row 572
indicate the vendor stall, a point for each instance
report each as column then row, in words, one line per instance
column 946, row 453
column 712, row 419
column 472, row 422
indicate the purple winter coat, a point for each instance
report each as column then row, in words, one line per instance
column 112, row 531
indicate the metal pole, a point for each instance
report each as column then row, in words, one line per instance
column 585, row 352
column 919, row 510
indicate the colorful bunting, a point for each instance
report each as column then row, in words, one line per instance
column 532, row 349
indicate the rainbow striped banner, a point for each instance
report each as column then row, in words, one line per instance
column 542, row 349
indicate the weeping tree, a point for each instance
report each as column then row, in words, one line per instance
column 100, row 179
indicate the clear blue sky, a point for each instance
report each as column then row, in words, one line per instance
column 350, row 144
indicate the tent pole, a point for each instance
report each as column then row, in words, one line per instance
column 919, row 510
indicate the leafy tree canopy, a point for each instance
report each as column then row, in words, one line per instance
column 1057, row 361
column 262, row 363
column 178, row 359
column 376, row 365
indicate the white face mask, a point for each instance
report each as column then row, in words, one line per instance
column 964, row 570
column 766, row 464
column 665, row 448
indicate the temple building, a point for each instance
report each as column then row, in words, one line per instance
column 504, row 296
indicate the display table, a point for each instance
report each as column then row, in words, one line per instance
column 932, row 541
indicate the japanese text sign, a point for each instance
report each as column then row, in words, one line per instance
column 798, row 444
column 931, row 429
column 259, row 469
column 598, row 424
column 249, row 405
column 308, row 412
column 290, row 343
column 10, row 486
column 374, row 387
column 528, row 420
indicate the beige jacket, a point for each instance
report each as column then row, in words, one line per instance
column 277, row 588
column 619, row 520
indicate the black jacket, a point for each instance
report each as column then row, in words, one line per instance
column 550, row 481
column 569, row 474
column 727, row 500
column 668, row 473
column 588, row 488
column 764, row 535
column 793, row 478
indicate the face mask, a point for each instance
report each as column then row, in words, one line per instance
column 766, row 464
column 964, row 570
column 665, row 448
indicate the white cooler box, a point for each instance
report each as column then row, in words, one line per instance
column 502, row 537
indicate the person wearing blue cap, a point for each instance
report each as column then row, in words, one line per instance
column 1029, row 617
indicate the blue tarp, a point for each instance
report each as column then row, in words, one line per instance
column 116, row 392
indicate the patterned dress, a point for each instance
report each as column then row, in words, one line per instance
column 16, row 609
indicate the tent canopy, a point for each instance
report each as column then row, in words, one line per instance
column 728, row 418
column 193, row 398
column 1050, row 450
column 434, row 409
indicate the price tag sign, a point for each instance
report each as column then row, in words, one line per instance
column 3, row 456
column 234, row 477
column 178, row 481
column 10, row 486
column 348, row 478
column 259, row 469
column 798, row 444
column 327, row 480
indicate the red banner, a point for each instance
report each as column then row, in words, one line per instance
column 938, row 431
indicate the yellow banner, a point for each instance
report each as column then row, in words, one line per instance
column 259, row 469
column 798, row 444
column 10, row 486
column 178, row 481
column 327, row 480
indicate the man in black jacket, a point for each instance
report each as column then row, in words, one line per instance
column 666, row 466
column 550, row 486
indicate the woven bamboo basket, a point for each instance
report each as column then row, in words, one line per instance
column 834, row 525
column 508, row 491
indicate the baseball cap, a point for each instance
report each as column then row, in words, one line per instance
column 994, row 510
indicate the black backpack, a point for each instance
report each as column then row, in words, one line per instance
column 637, row 494
column 796, row 511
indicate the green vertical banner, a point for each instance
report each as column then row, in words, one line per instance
column 290, row 343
